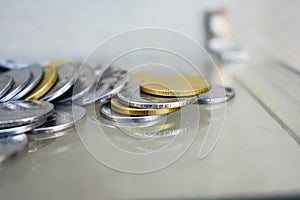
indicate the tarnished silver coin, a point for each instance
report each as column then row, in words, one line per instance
column 67, row 75
column 6, row 82
column 107, row 113
column 11, row 145
column 21, row 78
column 16, row 113
column 135, row 98
column 63, row 117
column 85, row 81
column 106, row 88
column 21, row 129
column 217, row 94
column 37, row 75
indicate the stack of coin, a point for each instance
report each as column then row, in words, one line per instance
column 154, row 97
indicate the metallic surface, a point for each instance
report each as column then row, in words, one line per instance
column 21, row 78
column 63, row 117
column 37, row 75
column 175, row 86
column 133, row 97
column 217, row 94
column 21, row 129
column 11, row 145
column 67, row 74
column 106, row 88
column 6, row 82
column 85, row 81
column 49, row 79
column 120, row 108
column 107, row 113
column 15, row 113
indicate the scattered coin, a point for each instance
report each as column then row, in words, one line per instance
column 217, row 94
column 48, row 80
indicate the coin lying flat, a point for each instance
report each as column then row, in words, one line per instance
column 120, row 108
column 21, row 129
column 108, row 86
column 63, row 117
column 67, row 74
column 175, row 86
column 48, row 80
column 85, row 81
column 21, row 78
column 37, row 75
column 6, row 82
column 107, row 113
column 133, row 97
column 217, row 94
column 16, row 113
column 11, row 145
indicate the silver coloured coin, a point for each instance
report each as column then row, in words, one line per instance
column 217, row 94
column 104, row 89
column 10, row 64
column 135, row 98
column 85, row 81
column 16, row 113
column 107, row 113
column 67, row 75
column 63, row 117
column 6, row 82
column 11, row 145
column 37, row 74
column 21, row 78
column 21, row 129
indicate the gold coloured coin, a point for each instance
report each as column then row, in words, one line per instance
column 59, row 62
column 120, row 108
column 49, row 79
column 175, row 86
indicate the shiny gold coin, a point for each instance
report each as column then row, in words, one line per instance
column 49, row 79
column 120, row 108
column 59, row 62
column 175, row 86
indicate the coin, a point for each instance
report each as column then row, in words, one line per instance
column 58, row 62
column 48, row 80
column 133, row 97
column 37, row 74
column 67, row 75
column 10, row 64
column 217, row 94
column 120, row 108
column 85, row 81
column 21, row 78
column 105, row 89
column 21, row 129
column 175, row 86
column 6, row 82
column 63, row 117
column 16, row 113
column 107, row 113
column 11, row 145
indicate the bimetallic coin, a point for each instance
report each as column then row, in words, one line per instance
column 120, row 108
column 67, row 75
column 6, row 82
column 133, row 97
column 21, row 129
column 21, row 78
column 63, row 117
column 175, row 86
column 49, row 79
column 107, row 113
column 37, row 73
column 106, row 89
column 11, row 145
column 85, row 81
column 217, row 94
column 16, row 113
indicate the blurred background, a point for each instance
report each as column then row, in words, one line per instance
column 56, row 29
